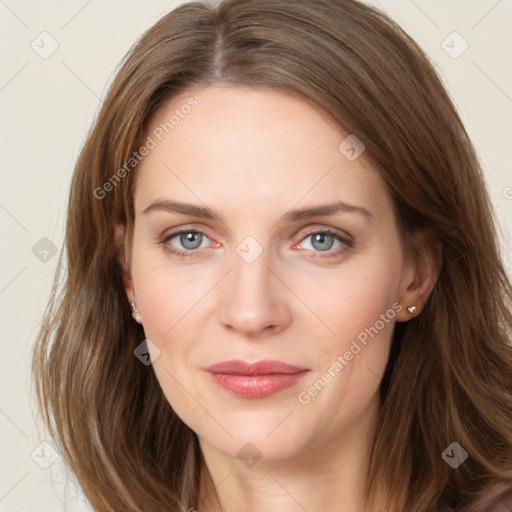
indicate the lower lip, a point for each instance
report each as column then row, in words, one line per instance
column 257, row 386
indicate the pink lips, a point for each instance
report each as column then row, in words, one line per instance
column 256, row 380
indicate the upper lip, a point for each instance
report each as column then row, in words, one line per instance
column 267, row 367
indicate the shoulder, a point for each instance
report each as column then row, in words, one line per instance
column 499, row 499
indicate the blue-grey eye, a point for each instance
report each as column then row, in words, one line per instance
column 189, row 240
column 322, row 241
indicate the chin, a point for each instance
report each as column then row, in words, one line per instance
column 257, row 440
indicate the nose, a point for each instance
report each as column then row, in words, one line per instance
column 254, row 298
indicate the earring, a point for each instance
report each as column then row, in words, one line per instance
column 412, row 310
column 136, row 315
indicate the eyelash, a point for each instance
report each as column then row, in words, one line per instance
column 347, row 244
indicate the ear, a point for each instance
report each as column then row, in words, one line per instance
column 420, row 274
column 119, row 238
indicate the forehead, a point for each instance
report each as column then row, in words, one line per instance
column 259, row 148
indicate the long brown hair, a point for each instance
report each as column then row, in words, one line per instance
column 449, row 376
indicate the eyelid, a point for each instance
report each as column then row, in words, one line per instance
column 328, row 230
column 179, row 231
column 346, row 242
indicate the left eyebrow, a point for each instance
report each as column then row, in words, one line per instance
column 327, row 209
column 290, row 216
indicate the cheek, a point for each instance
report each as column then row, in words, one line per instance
column 168, row 301
column 359, row 308
column 351, row 362
column 165, row 293
column 354, row 300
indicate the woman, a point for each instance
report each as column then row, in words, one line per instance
column 283, row 287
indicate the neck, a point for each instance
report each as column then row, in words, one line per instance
column 328, row 477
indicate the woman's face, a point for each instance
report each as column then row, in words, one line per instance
column 258, row 275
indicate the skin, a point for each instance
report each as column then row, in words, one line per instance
column 252, row 155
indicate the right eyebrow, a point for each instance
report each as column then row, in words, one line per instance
column 184, row 208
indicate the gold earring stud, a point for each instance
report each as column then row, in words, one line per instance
column 412, row 310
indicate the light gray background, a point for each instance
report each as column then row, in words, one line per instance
column 46, row 108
